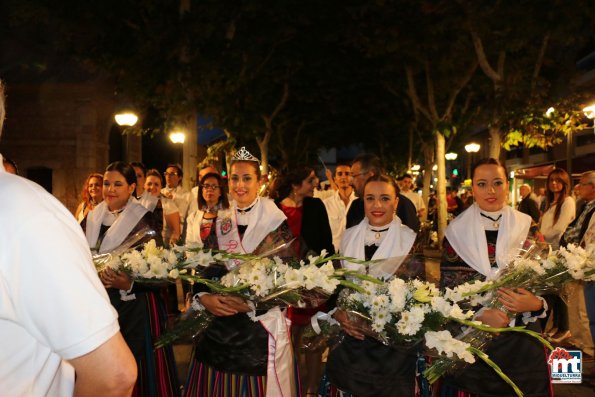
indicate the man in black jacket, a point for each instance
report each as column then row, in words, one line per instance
column 363, row 167
column 528, row 205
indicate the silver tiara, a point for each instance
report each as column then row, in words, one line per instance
column 244, row 155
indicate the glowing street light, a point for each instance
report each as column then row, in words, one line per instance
column 589, row 111
column 471, row 148
column 127, row 119
column 451, row 156
column 177, row 137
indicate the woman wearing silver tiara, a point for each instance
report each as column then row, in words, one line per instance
column 481, row 240
column 141, row 312
column 232, row 356
column 362, row 366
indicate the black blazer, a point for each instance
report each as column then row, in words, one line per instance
column 316, row 229
column 529, row 206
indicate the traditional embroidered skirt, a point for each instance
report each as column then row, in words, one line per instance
column 206, row 381
column 157, row 372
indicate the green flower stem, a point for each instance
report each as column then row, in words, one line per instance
column 360, row 276
column 353, row 286
column 213, row 285
column 486, row 359
column 487, row 328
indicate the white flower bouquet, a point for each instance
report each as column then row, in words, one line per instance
column 537, row 269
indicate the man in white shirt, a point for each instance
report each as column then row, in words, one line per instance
column 56, row 321
column 338, row 204
column 173, row 190
column 406, row 184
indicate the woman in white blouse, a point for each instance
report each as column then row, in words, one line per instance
column 561, row 210
column 561, row 207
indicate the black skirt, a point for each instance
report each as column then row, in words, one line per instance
column 369, row 368
column 234, row 344
column 521, row 357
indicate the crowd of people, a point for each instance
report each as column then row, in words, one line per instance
column 102, row 327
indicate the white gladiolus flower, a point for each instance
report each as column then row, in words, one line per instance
column 171, row 258
column 441, row 305
column 444, row 343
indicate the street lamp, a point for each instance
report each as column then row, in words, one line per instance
column 589, row 111
column 471, row 148
column 451, row 156
column 177, row 137
column 127, row 119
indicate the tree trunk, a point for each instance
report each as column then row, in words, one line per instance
column 441, row 186
column 428, row 164
column 263, row 145
column 495, row 142
column 410, row 154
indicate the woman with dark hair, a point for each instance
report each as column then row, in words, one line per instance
column 165, row 211
column 481, row 240
column 141, row 312
column 91, row 195
column 212, row 197
column 360, row 365
column 232, row 356
column 308, row 220
column 141, row 174
column 305, row 214
column 560, row 207
column 560, row 212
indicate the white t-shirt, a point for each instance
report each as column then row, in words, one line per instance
column 193, row 206
column 181, row 198
column 415, row 198
column 337, row 216
column 52, row 304
column 323, row 194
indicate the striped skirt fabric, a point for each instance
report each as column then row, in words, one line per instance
column 205, row 381
column 157, row 372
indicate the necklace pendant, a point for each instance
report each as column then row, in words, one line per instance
column 496, row 225
column 377, row 235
